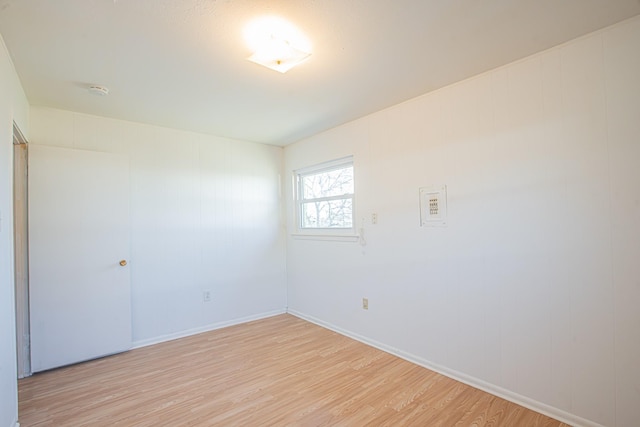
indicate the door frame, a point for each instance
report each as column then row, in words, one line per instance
column 21, row 252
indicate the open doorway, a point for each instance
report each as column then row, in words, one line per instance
column 21, row 251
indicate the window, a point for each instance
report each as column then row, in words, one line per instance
column 325, row 196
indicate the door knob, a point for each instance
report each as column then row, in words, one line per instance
column 123, row 262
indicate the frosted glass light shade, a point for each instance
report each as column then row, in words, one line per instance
column 278, row 55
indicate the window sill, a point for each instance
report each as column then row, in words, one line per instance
column 327, row 237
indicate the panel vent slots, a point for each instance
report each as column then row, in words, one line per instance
column 433, row 206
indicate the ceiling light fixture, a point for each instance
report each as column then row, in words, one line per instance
column 279, row 55
column 276, row 44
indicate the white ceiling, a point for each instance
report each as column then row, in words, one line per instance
column 182, row 63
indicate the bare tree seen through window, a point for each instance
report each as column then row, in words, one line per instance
column 327, row 199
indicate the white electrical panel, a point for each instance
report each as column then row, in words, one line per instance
column 433, row 206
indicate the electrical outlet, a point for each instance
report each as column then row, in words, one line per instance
column 206, row 296
column 365, row 303
column 374, row 218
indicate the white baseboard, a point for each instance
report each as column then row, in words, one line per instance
column 516, row 398
column 205, row 328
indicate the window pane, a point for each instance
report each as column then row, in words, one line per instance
column 328, row 214
column 326, row 184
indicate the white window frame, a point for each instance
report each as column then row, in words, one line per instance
column 348, row 234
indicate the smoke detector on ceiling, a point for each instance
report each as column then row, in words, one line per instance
column 98, row 90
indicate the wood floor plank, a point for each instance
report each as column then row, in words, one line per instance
column 280, row 371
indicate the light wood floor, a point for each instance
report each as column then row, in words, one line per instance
column 280, row 371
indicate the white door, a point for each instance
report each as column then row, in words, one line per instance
column 80, row 295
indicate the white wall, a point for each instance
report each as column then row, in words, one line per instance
column 13, row 107
column 205, row 216
column 532, row 290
